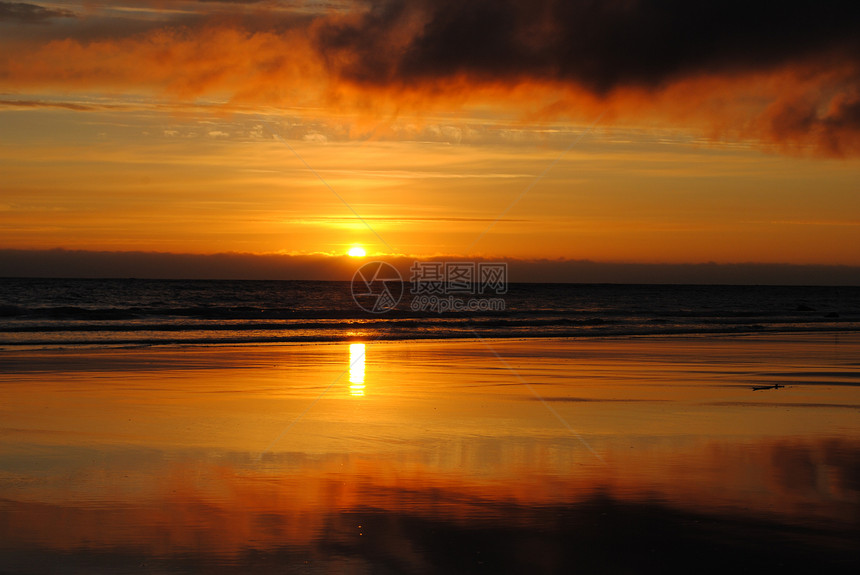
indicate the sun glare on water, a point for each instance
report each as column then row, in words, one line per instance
column 357, row 252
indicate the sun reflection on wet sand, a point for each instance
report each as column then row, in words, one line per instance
column 356, row 369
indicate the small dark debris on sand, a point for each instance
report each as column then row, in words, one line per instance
column 760, row 387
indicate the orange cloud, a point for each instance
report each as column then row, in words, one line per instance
column 187, row 63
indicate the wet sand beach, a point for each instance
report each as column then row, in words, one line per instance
column 614, row 455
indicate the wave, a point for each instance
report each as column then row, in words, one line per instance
column 249, row 313
column 151, row 312
column 110, row 338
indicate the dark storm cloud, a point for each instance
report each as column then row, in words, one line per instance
column 608, row 48
column 23, row 12
column 597, row 44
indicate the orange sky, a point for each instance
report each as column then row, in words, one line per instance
column 506, row 130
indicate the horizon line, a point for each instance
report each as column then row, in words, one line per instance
column 61, row 263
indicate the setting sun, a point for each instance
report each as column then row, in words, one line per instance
column 357, row 252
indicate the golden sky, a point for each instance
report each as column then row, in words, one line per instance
column 643, row 131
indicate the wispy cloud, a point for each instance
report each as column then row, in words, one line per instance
column 23, row 12
column 45, row 104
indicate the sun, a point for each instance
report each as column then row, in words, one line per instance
column 357, row 252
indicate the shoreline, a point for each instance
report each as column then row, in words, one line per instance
column 260, row 356
column 7, row 347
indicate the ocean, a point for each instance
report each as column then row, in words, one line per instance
column 92, row 313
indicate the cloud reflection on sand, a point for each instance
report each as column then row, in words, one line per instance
column 503, row 498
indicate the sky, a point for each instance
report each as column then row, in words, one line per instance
column 548, row 132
